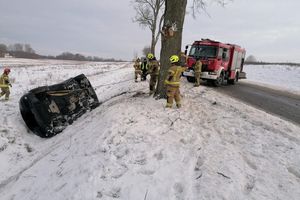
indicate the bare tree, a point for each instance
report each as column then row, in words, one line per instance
column 146, row 50
column 28, row 49
column 3, row 49
column 174, row 15
column 10, row 47
column 251, row 58
column 171, row 39
column 149, row 14
column 201, row 5
column 18, row 47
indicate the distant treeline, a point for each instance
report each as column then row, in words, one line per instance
column 25, row 51
column 272, row 63
column 77, row 56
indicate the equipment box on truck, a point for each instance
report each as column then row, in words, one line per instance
column 220, row 61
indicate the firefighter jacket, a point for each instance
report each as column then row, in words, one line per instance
column 137, row 66
column 153, row 67
column 144, row 66
column 4, row 81
column 174, row 74
column 198, row 66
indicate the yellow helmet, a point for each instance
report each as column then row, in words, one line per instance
column 174, row 59
column 150, row 56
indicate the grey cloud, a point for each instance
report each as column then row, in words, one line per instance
column 104, row 27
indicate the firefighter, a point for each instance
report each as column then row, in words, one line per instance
column 197, row 70
column 144, row 68
column 5, row 84
column 153, row 71
column 183, row 59
column 173, row 82
column 137, row 69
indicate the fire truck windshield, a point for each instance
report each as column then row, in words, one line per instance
column 202, row 51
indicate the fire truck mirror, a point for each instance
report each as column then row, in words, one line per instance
column 223, row 55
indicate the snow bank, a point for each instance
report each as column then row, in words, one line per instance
column 283, row 77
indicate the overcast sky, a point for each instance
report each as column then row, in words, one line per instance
column 267, row 29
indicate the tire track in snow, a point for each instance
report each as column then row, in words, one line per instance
column 16, row 176
column 108, row 71
column 114, row 83
column 106, row 103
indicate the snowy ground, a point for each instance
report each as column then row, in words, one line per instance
column 132, row 148
column 280, row 77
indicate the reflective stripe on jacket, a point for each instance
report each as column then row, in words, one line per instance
column 174, row 74
column 144, row 66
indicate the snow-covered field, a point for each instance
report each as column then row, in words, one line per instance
column 275, row 76
column 132, row 148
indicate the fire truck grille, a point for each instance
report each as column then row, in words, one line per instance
column 204, row 68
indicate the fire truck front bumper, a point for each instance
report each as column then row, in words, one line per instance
column 204, row 75
column 209, row 75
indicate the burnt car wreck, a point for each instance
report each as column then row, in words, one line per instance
column 48, row 110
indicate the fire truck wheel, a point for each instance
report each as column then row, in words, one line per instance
column 191, row 79
column 219, row 81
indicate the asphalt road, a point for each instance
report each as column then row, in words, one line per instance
column 281, row 103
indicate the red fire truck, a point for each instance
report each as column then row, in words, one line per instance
column 220, row 61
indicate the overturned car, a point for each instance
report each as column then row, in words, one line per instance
column 48, row 110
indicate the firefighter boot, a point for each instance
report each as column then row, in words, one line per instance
column 168, row 105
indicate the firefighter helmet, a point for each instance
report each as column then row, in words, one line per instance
column 174, row 59
column 150, row 56
column 6, row 70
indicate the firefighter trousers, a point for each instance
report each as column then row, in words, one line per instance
column 173, row 92
column 6, row 92
column 197, row 78
column 137, row 73
column 144, row 75
column 153, row 82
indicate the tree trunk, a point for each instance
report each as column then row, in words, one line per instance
column 170, row 45
column 152, row 47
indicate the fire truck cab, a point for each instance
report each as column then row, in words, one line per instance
column 220, row 61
